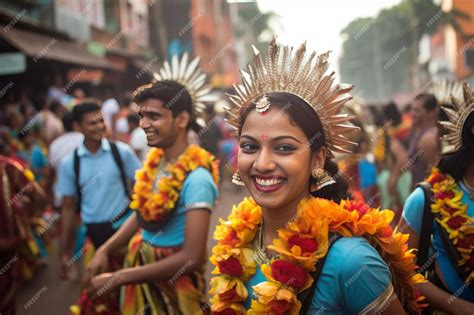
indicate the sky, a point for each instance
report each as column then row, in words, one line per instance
column 320, row 22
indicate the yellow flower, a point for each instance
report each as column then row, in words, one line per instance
column 418, row 278
column 244, row 255
column 246, row 215
column 219, row 306
column 222, row 284
column 155, row 206
column 273, row 296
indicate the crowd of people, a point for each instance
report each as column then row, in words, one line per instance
column 354, row 208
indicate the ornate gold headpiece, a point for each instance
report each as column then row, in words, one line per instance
column 442, row 90
column 187, row 74
column 296, row 73
column 457, row 117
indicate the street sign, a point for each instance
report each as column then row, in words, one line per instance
column 12, row 63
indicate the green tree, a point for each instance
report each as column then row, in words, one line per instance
column 380, row 54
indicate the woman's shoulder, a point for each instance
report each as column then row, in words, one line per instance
column 352, row 253
column 198, row 176
column 413, row 209
column 356, row 275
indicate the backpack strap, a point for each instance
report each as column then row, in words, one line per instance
column 426, row 226
column 306, row 296
column 119, row 163
column 76, row 180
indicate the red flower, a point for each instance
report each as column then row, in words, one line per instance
column 141, row 201
column 385, row 231
column 230, row 296
column 450, row 210
column 359, row 206
column 445, row 194
column 278, row 307
column 231, row 239
column 231, row 267
column 436, row 178
column 227, row 311
column 456, row 222
column 288, row 273
column 307, row 245
column 466, row 242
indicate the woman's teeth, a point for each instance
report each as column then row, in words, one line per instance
column 268, row 182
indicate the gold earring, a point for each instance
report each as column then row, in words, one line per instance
column 322, row 179
column 236, row 179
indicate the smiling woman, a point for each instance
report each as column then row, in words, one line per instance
column 299, row 246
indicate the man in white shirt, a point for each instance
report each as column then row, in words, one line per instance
column 138, row 139
column 110, row 109
column 61, row 146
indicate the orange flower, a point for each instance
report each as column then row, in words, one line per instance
column 156, row 206
column 274, row 298
column 300, row 245
column 228, row 289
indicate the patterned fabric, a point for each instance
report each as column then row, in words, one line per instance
column 17, row 263
column 106, row 304
column 182, row 294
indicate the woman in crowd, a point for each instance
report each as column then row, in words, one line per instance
column 438, row 215
column 298, row 246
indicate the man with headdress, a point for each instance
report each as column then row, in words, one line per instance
column 173, row 197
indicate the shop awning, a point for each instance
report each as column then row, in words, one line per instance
column 39, row 47
column 148, row 67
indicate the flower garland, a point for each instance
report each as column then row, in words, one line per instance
column 299, row 245
column 453, row 217
column 156, row 206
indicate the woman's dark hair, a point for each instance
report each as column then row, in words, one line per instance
column 428, row 100
column 456, row 164
column 174, row 95
column 377, row 117
column 68, row 121
column 88, row 106
column 391, row 113
column 302, row 115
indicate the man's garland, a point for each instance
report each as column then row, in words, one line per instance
column 300, row 245
column 156, row 206
column 451, row 215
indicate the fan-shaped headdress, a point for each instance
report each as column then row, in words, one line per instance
column 457, row 116
column 300, row 74
column 188, row 75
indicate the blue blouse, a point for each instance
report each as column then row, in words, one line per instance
column 199, row 191
column 353, row 276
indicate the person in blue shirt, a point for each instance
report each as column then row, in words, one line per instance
column 96, row 188
column 449, row 288
column 163, row 269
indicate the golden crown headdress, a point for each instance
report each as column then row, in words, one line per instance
column 298, row 74
column 189, row 75
column 442, row 90
column 457, row 116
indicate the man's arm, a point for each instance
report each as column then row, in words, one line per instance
column 119, row 239
column 399, row 165
column 68, row 228
column 185, row 261
column 430, row 149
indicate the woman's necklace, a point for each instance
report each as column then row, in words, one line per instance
column 261, row 255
